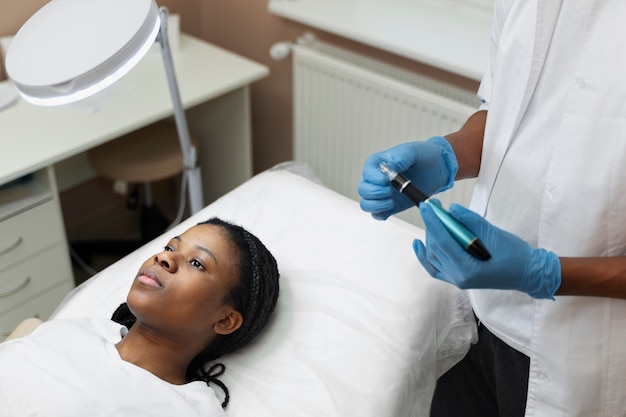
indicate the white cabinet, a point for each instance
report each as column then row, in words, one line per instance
column 35, row 268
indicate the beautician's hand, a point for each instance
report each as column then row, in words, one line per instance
column 514, row 264
column 430, row 165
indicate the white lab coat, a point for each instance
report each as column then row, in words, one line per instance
column 578, row 344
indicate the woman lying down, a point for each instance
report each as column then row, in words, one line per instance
column 208, row 293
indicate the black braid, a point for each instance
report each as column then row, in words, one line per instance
column 211, row 376
column 123, row 316
column 255, row 296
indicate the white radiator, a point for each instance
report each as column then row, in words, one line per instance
column 347, row 106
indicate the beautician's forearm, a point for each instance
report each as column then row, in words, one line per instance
column 467, row 143
column 594, row 277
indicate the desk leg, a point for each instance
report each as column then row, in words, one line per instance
column 223, row 128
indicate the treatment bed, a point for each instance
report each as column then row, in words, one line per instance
column 360, row 329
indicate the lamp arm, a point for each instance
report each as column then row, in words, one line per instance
column 190, row 157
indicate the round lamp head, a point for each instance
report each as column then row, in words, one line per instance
column 71, row 49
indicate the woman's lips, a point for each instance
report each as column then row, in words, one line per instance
column 149, row 278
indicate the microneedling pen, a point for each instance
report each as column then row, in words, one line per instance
column 460, row 233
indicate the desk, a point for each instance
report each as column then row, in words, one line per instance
column 214, row 88
column 32, row 138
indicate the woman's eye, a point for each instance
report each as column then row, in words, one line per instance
column 196, row 264
column 168, row 249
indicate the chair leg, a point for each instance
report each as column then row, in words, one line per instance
column 132, row 201
column 153, row 222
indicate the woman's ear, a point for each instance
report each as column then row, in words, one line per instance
column 231, row 322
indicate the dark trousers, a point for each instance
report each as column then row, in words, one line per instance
column 492, row 380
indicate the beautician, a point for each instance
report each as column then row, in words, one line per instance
column 548, row 148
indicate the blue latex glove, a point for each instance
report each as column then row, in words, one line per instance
column 514, row 264
column 430, row 165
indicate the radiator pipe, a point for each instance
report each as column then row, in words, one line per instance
column 281, row 50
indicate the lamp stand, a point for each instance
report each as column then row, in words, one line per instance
column 192, row 178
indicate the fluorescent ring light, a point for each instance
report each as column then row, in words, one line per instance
column 72, row 49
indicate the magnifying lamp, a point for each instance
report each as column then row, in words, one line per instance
column 72, row 49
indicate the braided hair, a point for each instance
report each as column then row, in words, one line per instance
column 254, row 296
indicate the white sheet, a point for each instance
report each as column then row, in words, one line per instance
column 359, row 330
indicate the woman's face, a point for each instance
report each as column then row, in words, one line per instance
column 182, row 292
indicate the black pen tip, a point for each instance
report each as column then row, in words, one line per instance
column 478, row 250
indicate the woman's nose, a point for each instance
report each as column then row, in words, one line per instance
column 167, row 260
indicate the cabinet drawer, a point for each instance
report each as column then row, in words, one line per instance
column 30, row 232
column 35, row 276
column 41, row 307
